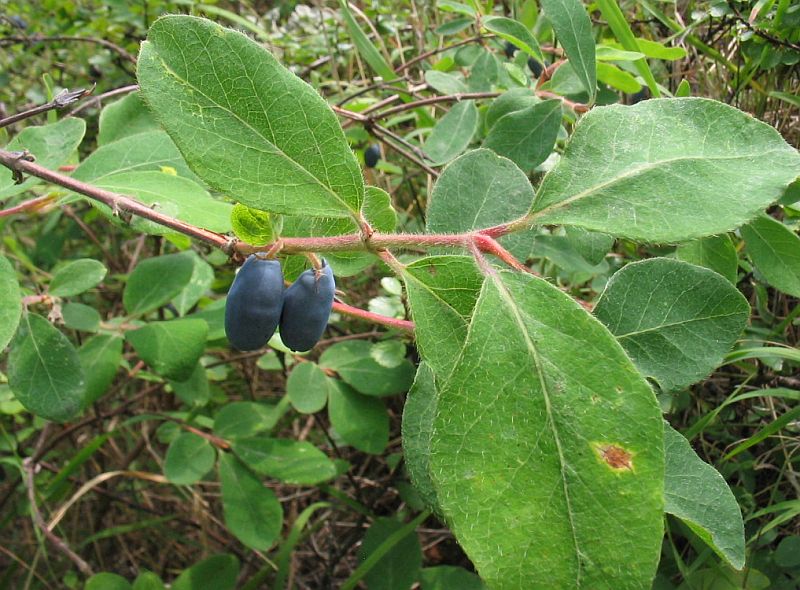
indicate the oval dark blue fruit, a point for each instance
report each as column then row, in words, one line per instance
column 510, row 49
column 535, row 67
column 371, row 155
column 306, row 309
column 254, row 304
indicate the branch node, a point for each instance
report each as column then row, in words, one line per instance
column 21, row 156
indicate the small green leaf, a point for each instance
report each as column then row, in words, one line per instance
column 78, row 316
column 155, row 281
column 76, row 277
column 51, row 145
column 484, row 72
column 696, row 493
column 107, row 581
column 511, row 101
column 389, row 353
column 189, row 457
column 148, row 581
column 245, row 124
column 775, row 251
column 674, row 319
column 399, row 567
column 307, row 388
column 124, row 117
column 574, row 30
column 100, row 358
column 457, row 7
column 10, row 302
column 44, row 370
column 613, row 76
column 291, row 461
column 218, row 572
column 252, row 511
column 693, row 155
column 360, row 420
column 245, row 419
column 526, row 137
column 445, row 83
column 194, row 391
column 592, row 246
column 353, row 361
column 448, row 577
column 198, row 285
column 715, row 252
column 452, row 133
column 477, row 190
column 171, row 348
column 516, row 33
column 251, row 225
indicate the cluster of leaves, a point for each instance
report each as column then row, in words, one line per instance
column 533, row 429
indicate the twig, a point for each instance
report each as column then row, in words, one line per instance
column 64, row 98
column 96, row 100
column 427, row 54
column 433, row 100
column 27, row 206
column 54, row 39
column 28, row 467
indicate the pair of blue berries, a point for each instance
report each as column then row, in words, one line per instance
column 257, row 303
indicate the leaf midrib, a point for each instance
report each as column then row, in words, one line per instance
column 674, row 324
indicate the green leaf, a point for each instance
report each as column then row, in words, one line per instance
column 656, row 50
column 155, row 281
column 189, row 457
column 616, row 78
column 399, row 567
column 452, row 133
column 457, row 7
column 448, row 577
column 365, row 47
column 775, row 251
column 477, row 190
column 511, row 101
column 622, row 31
column 44, row 370
column 51, row 145
column 252, row 512
column 778, row 424
column 148, row 581
column 608, row 53
column 666, row 170
column 245, row 124
column 251, row 225
column 245, row 419
column 674, row 319
column 361, row 421
column 149, row 151
column 107, row 581
column 218, row 572
column 542, row 410
column 715, row 252
column 171, row 195
column 786, row 97
column 526, row 137
column 291, row 461
column 484, row 72
column 81, row 317
column 194, row 391
column 100, row 358
column 592, row 246
column 417, row 429
column 696, row 493
column 307, row 388
column 10, row 302
column 198, row 285
column 514, row 32
column 445, row 83
column 170, row 348
column 574, row 31
column 124, row 117
column 353, row 361
column 76, row 277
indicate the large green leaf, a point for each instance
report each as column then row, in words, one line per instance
column 477, row 190
column 666, row 170
column 147, row 151
column 252, row 512
column 696, row 493
column 452, row 133
column 100, row 358
column 175, row 196
column 245, row 124
column 775, row 250
column 189, row 457
column 76, row 277
column 51, row 145
column 44, row 370
column 124, row 117
column 574, row 30
column 171, row 348
column 674, row 319
column 155, row 281
column 547, row 451
column 526, row 137
column 10, row 302
column 715, row 252
column 291, row 461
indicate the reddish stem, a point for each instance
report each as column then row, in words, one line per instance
column 31, row 205
column 373, row 317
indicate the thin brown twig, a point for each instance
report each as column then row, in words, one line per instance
column 63, row 99
column 28, row 206
column 96, row 100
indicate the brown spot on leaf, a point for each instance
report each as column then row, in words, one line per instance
column 614, row 456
